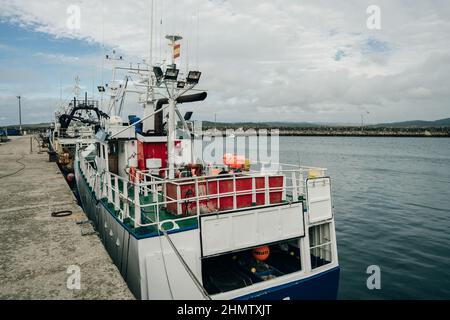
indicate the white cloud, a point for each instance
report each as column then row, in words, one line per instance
column 283, row 59
column 57, row 58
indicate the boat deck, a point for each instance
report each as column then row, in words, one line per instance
column 37, row 249
column 149, row 215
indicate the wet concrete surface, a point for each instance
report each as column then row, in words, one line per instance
column 40, row 255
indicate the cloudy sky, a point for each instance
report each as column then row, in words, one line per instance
column 278, row 60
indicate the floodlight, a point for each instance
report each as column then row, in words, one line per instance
column 193, row 77
column 171, row 74
column 101, row 89
column 158, row 72
column 181, row 84
column 188, row 115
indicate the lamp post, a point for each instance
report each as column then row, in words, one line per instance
column 20, row 115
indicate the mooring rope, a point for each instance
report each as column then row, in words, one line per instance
column 17, row 171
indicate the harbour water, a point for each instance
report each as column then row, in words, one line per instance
column 392, row 207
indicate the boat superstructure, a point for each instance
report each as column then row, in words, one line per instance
column 180, row 228
column 76, row 122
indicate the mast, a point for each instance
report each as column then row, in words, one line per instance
column 171, row 127
column 149, row 106
column 77, row 87
column 113, row 87
column 171, row 138
column 150, row 56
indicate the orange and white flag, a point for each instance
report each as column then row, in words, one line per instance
column 176, row 50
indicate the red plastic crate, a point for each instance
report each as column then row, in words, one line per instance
column 222, row 186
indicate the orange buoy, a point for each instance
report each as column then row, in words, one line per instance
column 261, row 253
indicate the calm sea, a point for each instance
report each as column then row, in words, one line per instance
column 392, row 208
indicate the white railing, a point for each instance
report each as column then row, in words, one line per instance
column 81, row 132
column 115, row 189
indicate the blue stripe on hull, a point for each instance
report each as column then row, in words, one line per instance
column 323, row 286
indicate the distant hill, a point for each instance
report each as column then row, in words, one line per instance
column 293, row 125
column 271, row 124
column 28, row 126
column 417, row 123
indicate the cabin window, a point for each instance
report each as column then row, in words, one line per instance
column 320, row 245
column 235, row 270
column 98, row 150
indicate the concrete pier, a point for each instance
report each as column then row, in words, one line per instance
column 40, row 255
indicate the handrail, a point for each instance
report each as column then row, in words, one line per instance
column 76, row 132
column 243, row 174
column 149, row 185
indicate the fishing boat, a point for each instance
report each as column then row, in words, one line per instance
column 75, row 123
column 180, row 228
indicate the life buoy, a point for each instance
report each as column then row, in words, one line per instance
column 261, row 253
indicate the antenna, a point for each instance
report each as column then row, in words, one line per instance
column 103, row 53
column 187, row 56
column 77, row 87
column 161, row 30
column 198, row 38
column 150, row 56
column 60, row 88
column 93, row 82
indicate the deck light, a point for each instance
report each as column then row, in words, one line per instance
column 171, row 74
column 158, row 72
column 181, row 84
column 188, row 115
column 101, row 88
column 193, row 77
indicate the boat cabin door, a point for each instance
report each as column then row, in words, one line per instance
column 113, row 157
